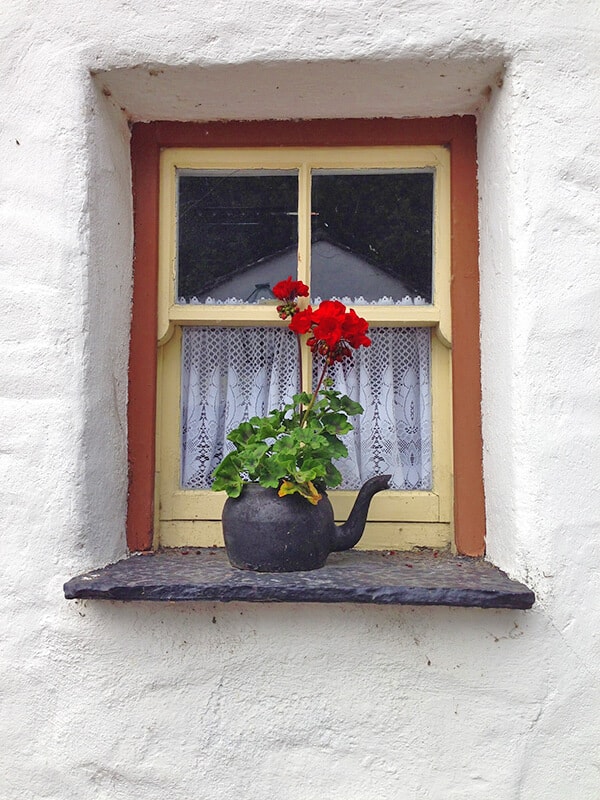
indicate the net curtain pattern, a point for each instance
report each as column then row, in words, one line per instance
column 231, row 374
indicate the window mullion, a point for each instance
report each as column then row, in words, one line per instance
column 304, row 223
column 304, row 243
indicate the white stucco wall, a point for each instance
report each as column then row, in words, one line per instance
column 109, row 701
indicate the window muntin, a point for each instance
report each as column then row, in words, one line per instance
column 399, row 518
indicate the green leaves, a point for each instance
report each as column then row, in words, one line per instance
column 227, row 476
column 336, row 423
column 290, row 449
column 341, row 402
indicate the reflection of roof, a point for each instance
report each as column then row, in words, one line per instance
column 332, row 261
column 223, row 279
column 321, row 235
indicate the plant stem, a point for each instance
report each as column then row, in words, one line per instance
column 299, row 340
column 308, row 408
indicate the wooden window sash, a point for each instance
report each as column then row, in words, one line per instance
column 397, row 518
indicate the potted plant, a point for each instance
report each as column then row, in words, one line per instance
column 277, row 517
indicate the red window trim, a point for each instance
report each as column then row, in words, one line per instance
column 456, row 133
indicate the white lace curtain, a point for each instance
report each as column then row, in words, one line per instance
column 231, row 374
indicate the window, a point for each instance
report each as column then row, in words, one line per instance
column 278, row 189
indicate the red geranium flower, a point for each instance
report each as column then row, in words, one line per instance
column 331, row 309
column 289, row 289
column 328, row 320
column 329, row 330
column 333, row 330
column 354, row 329
column 302, row 321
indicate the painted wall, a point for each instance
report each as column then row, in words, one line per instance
column 102, row 700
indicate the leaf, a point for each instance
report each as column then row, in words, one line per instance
column 269, row 426
column 336, row 423
column 285, row 442
column 312, row 467
column 307, row 490
column 335, row 447
column 306, row 474
column 302, row 399
column 242, row 434
column 227, row 477
column 287, row 487
column 308, row 437
column 228, row 467
column 333, row 476
column 332, row 399
column 253, row 454
column 274, row 468
column 269, row 481
column 351, row 407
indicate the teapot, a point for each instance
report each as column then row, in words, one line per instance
column 268, row 533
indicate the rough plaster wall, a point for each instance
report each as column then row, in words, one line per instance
column 113, row 701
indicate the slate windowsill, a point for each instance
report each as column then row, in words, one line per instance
column 354, row 576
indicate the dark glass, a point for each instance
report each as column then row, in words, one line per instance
column 237, row 233
column 372, row 234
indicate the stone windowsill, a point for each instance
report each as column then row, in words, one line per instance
column 355, row 576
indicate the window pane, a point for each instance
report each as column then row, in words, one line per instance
column 227, row 376
column 231, row 374
column 372, row 234
column 237, row 233
column 391, row 380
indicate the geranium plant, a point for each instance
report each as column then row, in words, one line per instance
column 292, row 449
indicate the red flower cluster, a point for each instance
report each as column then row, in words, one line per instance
column 288, row 290
column 334, row 330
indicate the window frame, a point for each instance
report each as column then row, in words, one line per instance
column 457, row 134
column 397, row 519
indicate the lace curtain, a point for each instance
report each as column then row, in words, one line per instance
column 231, row 374
column 390, row 379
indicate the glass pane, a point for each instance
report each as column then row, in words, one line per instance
column 227, row 376
column 237, row 234
column 372, row 235
column 391, row 380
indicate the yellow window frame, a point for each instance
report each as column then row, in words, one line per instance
column 397, row 519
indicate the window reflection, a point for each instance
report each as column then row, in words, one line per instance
column 237, row 233
column 372, row 234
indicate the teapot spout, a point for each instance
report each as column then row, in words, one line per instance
column 347, row 535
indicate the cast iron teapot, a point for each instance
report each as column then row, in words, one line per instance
column 268, row 533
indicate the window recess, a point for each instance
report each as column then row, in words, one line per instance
column 390, row 576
